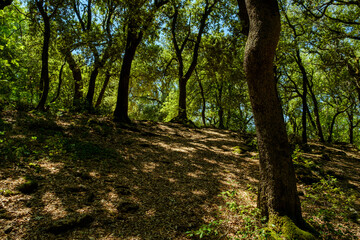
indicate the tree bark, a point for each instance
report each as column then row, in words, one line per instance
column 45, row 79
column 60, row 83
column 317, row 115
column 133, row 41
column 277, row 186
column 91, row 90
column 329, row 140
column 304, row 94
column 76, row 72
column 103, row 89
column 203, row 109
column 184, row 77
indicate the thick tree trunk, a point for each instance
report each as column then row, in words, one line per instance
column 121, row 110
column 277, row 187
column 103, row 89
column 45, row 80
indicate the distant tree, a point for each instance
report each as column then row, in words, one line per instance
column 140, row 16
column 47, row 12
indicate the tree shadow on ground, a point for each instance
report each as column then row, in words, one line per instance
column 152, row 181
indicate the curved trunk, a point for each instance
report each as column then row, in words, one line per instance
column 45, row 80
column 76, row 72
column 277, row 187
column 60, row 83
column 91, row 91
column 121, row 110
column 103, row 89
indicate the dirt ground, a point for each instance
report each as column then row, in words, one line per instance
column 96, row 180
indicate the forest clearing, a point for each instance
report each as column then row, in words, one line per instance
column 96, row 180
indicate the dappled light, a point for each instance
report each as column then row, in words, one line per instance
column 139, row 186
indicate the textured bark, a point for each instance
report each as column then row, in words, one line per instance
column 277, row 186
column 44, row 79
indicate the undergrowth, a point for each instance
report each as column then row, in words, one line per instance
column 328, row 205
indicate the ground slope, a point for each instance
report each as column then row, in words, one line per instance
column 91, row 179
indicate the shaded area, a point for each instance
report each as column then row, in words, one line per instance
column 148, row 181
column 144, row 181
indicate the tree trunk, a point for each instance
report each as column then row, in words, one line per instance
column 304, row 94
column 277, row 186
column 60, row 83
column 317, row 116
column 329, row 140
column 203, row 110
column 45, row 80
column 183, row 78
column 76, row 72
column 351, row 127
column 133, row 41
column 103, row 89
column 91, row 91
column 221, row 109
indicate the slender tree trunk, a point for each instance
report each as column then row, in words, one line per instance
column 45, row 80
column 317, row 115
column 103, row 89
column 351, row 127
column 91, row 91
column 304, row 95
column 203, row 109
column 331, row 130
column 76, row 72
column 277, row 186
column 133, row 41
column 60, row 83
column 221, row 109
column 183, row 78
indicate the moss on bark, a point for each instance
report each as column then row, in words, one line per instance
column 284, row 226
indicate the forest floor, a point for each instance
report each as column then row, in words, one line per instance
column 84, row 177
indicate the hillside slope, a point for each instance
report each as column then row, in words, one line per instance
column 83, row 177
